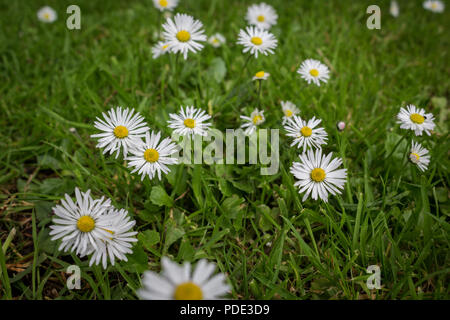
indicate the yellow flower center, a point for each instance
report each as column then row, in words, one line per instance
column 215, row 40
column 414, row 157
column 85, row 224
column 257, row 118
column 417, row 118
column 188, row 291
column 314, row 72
column 46, row 16
column 318, row 174
column 163, row 3
column 261, row 18
column 165, row 46
column 259, row 74
column 121, row 132
column 183, row 36
column 257, row 41
column 151, row 155
column 288, row 113
column 306, row 131
column 434, row 5
column 190, row 123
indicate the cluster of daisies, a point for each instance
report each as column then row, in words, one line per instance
column 95, row 228
column 415, row 119
column 435, row 6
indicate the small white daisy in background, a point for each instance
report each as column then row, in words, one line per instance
column 121, row 130
column 415, row 119
column 419, row 156
column 314, row 71
column 47, row 14
column 180, row 282
column 190, row 121
column 261, row 75
column 317, row 175
column 164, row 5
column 394, row 9
column 340, row 125
column 183, row 34
column 152, row 156
column 261, row 15
column 159, row 49
column 257, row 41
column 119, row 241
column 256, row 118
column 80, row 224
column 289, row 110
column 434, row 6
column 305, row 133
column 216, row 40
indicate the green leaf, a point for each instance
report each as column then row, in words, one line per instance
column 173, row 234
column 159, row 197
column 149, row 238
column 217, row 69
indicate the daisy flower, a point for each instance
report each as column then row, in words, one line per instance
column 419, row 156
column 216, row 40
column 261, row 15
column 394, row 9
column 415, row 119
column 434, row 6
column 159, row 49
column 119, row 241
column 152, row 156
column 261, row 75
column 305, row 133
column 190, row 121
column 81, row 224
column 47, row 14
column 317, row 175
column 180, row 283
column 121, row 130
column 314, row 71
column 289, row 110
column 164, row 5
column 252, row 122
column 257, row 41
column 183, row 34
column 340, row 125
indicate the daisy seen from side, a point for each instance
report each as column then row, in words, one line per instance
column 419, row 156
column 252, row 123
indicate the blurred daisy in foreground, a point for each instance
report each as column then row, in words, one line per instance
column 318, row 176
column 121, row 130
column 394, row 9
column 152, row 156
column 261, row 15
column 434, row 6
column 183, row 34
column 257, row 41
column 164, row 5
column 177, row 282
column 415, row 119
column 47, row 14
column 216, row 40
column 261, row 75
column 289, row 110
column 314, row 71
column 119, row 241
column 305, row 133
column 190, row 121
column 159, row 49
column 81, row 224
column 419, row 156
column 256, row 118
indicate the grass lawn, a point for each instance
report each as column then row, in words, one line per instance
column 270, row 244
